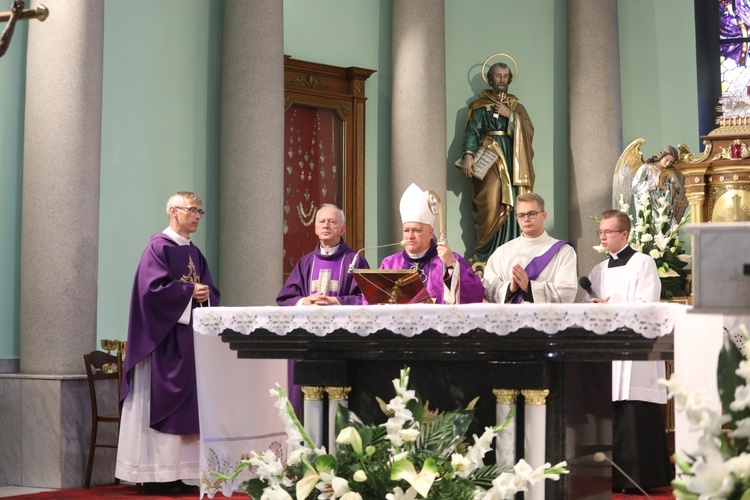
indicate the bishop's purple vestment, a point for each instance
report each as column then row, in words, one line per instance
column 431, row 270
column 315, row 271
column 162, row 289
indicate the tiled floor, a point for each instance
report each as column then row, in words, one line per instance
column 10, row 491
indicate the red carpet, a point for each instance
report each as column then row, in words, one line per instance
column 109, row 492
column 128, row 492
column 656, row 494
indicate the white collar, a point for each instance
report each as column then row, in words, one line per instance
column 536, row 239
column 417, row 255
column 180, row 240
column 614, row 255
column 328, row 251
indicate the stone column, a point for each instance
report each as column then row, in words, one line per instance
column 252, row 146
column 535, row 435
column 505, row 441
column 59, row 241
column 60, row 217
column 418, row 133
column 336, row 396
column 313, row 412
column 595, row 119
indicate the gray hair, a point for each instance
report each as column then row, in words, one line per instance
column 341, row 212
column 180, row 197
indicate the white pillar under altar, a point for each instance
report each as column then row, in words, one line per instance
column 697, row 342
column 312, row 407
column 535, row 435
column 505, row 441
column 336, row 396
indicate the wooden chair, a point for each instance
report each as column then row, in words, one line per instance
column 94, row 362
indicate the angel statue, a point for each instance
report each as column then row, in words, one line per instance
column 651, row 184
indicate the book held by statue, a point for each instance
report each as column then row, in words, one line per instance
column 483, row 161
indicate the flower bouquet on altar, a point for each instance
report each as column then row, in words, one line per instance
column 658, row 237
column 720, row 468
column 410, row 456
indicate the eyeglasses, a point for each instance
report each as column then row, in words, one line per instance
column 530, row 215
column 193, row 210
column 607, row 232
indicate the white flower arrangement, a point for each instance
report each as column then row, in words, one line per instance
column 406, row 458
column 721, row 466
column 658, row 237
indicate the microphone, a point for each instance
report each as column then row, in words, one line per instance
column 586, row 285
column 352, row 266
column 601, row 457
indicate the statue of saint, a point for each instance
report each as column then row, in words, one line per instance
column 497, row 124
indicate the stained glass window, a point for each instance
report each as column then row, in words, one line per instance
column 734, row 42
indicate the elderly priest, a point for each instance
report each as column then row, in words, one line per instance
column 448, row 278
column 321, row 277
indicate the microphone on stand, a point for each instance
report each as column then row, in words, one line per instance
column 586, row 285
column 352, row 266
column 601, row 457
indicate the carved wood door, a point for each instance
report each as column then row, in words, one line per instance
column 324, row 146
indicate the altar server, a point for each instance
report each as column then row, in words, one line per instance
column 448, row 278
column 159, row 441
column 322, row 276
column 639, row 440
column 535, row 267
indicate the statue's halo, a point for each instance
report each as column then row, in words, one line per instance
column 499, row 54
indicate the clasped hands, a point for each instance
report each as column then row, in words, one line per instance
column 318, row 299
column 519, row 280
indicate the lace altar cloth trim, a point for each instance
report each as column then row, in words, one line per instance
column 649, row 319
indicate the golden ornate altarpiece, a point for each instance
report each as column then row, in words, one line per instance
column 717, row 183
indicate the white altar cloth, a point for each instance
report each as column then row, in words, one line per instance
column 650, row 320
column 238, row 416
column 237, row 413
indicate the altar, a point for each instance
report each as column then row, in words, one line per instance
column 459, row 352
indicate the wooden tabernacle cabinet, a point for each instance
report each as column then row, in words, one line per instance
column 717, row 183
column 324, row 152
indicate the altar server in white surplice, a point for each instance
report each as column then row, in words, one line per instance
column 535, row 267
column 639, row 441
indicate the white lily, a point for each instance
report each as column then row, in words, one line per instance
column 332, row 486
column 476, row 452
column 360, row 476
column 712, row 478
column 351, row 495
column 461, row 464
column 421, row 481
column 399, row 494
column 274, row 492
column 666, row 272
column 268, row 467
column 740, row 465
column 350, row 436
column 741, row 398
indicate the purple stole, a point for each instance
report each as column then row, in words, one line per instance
column 321, row 281
column 536, row 266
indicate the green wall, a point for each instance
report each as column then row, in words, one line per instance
column 12, row 97
column 474, row 32
column 354, row 33
column 658, row 74
column 160, row 131
column 160, row 124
